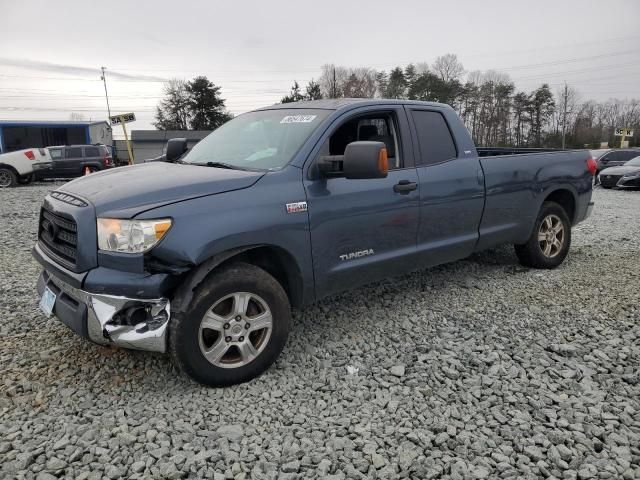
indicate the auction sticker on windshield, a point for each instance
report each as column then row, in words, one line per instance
column 298, row 119
column 47, row 302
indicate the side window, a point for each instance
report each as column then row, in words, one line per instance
column 628, row 155
column 91, row 152
column 55, row 153
column 379, row 127
column 434, row 138
column 74, row 152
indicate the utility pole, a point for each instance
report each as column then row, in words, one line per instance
column 104, row 80
column 564, row 116
column 334, row 86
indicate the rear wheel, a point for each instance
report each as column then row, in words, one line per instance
column 8, row 178
column 235, row 327
column 550, row 240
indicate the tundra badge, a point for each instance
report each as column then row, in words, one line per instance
column 352, row 255
column 296, row 207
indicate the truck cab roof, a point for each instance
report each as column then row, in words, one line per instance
column 347, row 103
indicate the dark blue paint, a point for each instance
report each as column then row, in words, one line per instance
column 460, row 206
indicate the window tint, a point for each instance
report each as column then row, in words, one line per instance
column 91, row 152
column 434, row 138
column 376, row 128
column 628, row 155
column 75, row 152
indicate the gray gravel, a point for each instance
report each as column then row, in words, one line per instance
column 478, row 369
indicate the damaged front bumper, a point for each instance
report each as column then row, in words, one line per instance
column 135, row 323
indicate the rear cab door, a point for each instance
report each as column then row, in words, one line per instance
column 452, row 191
column 363, row 230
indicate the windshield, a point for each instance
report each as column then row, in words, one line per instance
column 263, row 140
column 634, row 162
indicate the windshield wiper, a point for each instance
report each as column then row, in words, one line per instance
column 218, row 165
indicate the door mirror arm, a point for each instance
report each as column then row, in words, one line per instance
column 331, row 166
column 361, row 160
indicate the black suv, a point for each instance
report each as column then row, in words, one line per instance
column 76, row 160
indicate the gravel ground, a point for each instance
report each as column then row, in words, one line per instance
column 477, row 369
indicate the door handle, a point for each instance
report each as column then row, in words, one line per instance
column 403, row 187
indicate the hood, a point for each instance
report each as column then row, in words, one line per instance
column 621, row 170
column 126, row 191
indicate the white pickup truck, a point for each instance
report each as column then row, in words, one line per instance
column 18, row 167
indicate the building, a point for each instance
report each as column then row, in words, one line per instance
column 17, row 134
column 148, row 144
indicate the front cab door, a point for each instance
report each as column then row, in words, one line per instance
column 364, row 230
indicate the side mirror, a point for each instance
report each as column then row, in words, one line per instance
column 361, row 160
column 175, row 149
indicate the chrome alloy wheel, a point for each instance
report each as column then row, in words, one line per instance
column 235, row 330
column 551, row 236
column 5, row 178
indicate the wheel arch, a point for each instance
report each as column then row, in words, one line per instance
column 10, row 167
column 566, row 198
column 276, row 261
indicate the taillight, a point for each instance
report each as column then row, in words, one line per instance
column 107, row 160
column 29, row 154
column 592, row 166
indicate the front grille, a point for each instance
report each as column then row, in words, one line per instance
column 609, row 180
column 59, row 236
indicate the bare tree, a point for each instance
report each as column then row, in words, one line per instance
column 172, row 112
column 448, row 67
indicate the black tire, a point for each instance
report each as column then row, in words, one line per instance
column 185, row 334
column 8, row 178
column 603, row 186
column 531, row 254
column 26, row 179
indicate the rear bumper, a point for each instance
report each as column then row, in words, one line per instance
column 135, row 323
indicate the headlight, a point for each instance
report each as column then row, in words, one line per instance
column 631, row 176
column 130, row 236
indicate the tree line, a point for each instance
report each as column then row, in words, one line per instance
column 493, row 109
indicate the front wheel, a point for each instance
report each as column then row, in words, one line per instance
column 550, row 239
column 234, row 328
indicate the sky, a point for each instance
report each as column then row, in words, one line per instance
column 51, row 52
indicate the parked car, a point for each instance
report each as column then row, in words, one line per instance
column 75, row 160
column 204, row 255
column 615, row 158
column 624, row 176
column 19, row 166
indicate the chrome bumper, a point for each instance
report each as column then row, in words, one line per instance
column 135, row 323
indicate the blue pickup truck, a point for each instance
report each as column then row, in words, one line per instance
column 203, row 255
